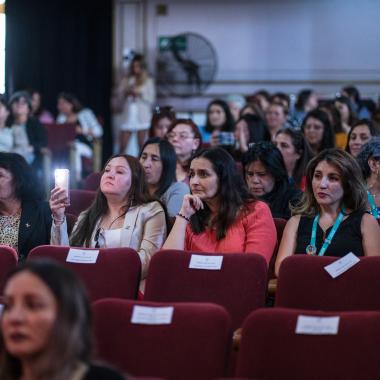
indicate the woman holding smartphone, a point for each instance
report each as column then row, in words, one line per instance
column 220, row 215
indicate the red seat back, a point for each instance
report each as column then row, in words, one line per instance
column 304, row 283
column 80, row 200
column 60, row 136
column 271, row 350
column 116, row 272
column 8, row 261
column 193, row 346
column 240, row 285
column 92, row 181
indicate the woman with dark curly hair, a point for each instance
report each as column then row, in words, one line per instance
column 220, row 214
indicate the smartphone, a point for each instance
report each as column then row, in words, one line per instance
column 226, row 138
column 62, row 180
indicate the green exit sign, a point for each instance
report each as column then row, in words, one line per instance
column 168, row 43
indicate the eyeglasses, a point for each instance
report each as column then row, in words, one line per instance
column 99, row 238
column 180, row 136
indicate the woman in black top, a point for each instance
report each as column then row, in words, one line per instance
column 331, row 218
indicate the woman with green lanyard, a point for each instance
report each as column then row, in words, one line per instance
column 332, row 218
column 369, row 161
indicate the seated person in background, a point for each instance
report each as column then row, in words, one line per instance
column 219, row 119
column 43, row 115
column 6, row 135
column 72, row 112
column 361, row 132
column 347, row 113
column 332, row 218
column 267, row 178
column 25, row 219
column 186, row 139
column 159, row 162
column 275, row 118
column 123, row 214
column 307, row 100
column 46, row 307
column 296, row 154
column 360, row 109
column 249, row 129
column 369, row 162
column 29, row 136
column 235, row 102
column 220, row 215
column 162, row 119
column 318, row 131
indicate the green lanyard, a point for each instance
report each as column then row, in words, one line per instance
column 374, row 210
column 311, row 249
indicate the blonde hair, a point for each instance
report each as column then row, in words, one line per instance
column 354, row 188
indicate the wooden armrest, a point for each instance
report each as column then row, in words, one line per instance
column 236, row 339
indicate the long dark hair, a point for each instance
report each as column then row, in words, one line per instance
column 328, row 139
column 25, row 182
column 270, row 156
column 301, row 146
column 257, row 128
column 233, row 193
column 228, row 125
column 72, row 99
column 137, row 195
column 360, row 122
column 168, row 160
column 70, row 340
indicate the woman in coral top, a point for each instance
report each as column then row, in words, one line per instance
column 220, row 215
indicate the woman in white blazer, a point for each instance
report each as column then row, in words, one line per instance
column 123, row 213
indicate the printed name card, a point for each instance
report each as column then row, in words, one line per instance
column 342, row 265
column 317, row 325
column 145, row 315
column 206, row 262
column 82, row 256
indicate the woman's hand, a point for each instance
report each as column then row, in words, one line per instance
column 58, row 202
column 190, row 205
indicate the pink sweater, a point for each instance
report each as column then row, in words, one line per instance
column 253, row 232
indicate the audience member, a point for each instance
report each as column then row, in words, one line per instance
column 261, row 98
column 307, row 100
column 318, row 131
column 138, row 92
column 219, row 119
column 38, row 111
column 123, row 214
column 360, row 109
column 158, row 159
column 29, row 136
column 220, row 215
column 72, row 112
column 347, row 113
column 360, row 133
column 236, row 103
column 369, row 161
column 25, row 219
column 252, row 109
column 162, row 119
column 6, row 135
column 46, row 327
column 267, row 178
column 332, row 218
column 275, row 116
column 296, row 153
column 186, row 139
column 249, row 129
column 335, row 119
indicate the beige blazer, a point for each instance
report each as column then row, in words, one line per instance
column 144, row 229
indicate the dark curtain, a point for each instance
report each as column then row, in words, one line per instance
column 62, row 45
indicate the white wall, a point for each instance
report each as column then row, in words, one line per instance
column 275, row 44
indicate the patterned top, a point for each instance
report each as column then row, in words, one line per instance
column 9, row 226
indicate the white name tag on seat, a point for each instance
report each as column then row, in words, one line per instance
column 317, row 325
column 206, row 262
column 342, row 265
column 82, row 256
column 145, row 315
